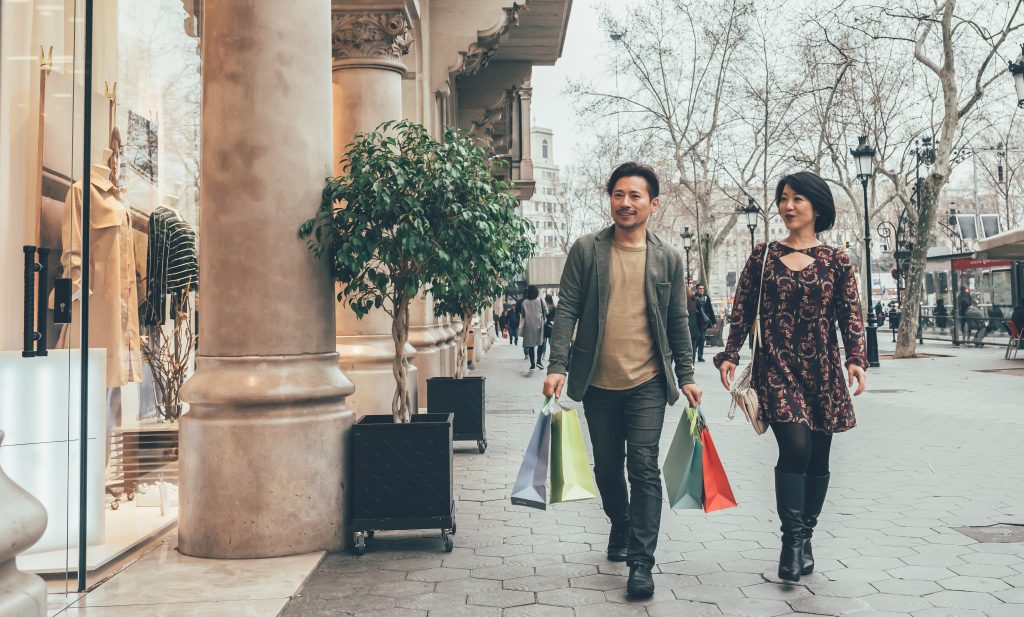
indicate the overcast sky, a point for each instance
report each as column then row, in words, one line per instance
column 583, row 54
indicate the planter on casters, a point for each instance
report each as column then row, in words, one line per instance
column 402, row 477
column 464, row 399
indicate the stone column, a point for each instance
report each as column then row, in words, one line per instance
column 22, row 523
column 526, row 165
column 262, row 448
column 423, row 336
column 446, row 345
column 368, row 46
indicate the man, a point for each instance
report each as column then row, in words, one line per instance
column 705, row 319
column 623, row 293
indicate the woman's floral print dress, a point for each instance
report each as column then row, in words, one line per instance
column 799, row 374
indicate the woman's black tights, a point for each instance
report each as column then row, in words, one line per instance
column 801, row 450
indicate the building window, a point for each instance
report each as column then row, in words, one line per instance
column 544, row 149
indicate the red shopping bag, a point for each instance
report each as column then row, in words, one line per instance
column 717, row 492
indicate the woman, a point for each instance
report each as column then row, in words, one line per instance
column 549, row 324
column 532, row 310
column 941, row 314
column 808, row 287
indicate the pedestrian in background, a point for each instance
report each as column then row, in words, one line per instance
column 532, row 315
column 512, row 321
column 941, row 314
column 964, row 303
column 549, row 321
column 802, row 392
column 705, row 319
column 630, row 348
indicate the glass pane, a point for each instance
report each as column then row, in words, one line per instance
column 128, row 257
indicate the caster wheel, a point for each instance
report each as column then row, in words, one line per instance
column 115, row 504
column 449, row 544
column 359, row 547
column 482, row 446
column 131, row 495
column 454, row 528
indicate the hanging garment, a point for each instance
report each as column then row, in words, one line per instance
column 113, row 297
column 171, row 265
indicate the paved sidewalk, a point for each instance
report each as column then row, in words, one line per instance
column 938, row 447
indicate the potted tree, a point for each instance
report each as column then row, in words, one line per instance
column 384, row 225
column 488, row 243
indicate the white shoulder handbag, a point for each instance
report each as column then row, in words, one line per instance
column 742, row 391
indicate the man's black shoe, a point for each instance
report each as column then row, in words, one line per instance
column 641, row 583
column 700, row 359
column 618, row 541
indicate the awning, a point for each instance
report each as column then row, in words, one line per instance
column 1007, row 245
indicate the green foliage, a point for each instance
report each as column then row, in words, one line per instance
column 379, row 221
column 409, row 212
column 489, row 240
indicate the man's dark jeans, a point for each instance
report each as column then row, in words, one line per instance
column 625, row 427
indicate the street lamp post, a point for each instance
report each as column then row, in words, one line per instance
column 687, row 245
column 753, row 213
column 1017, row 70
column 864, row 154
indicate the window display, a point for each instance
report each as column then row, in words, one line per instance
column 139, row 255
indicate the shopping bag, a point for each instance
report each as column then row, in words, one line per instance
column 717, row 492
column 531, row 484
column 571, row 477
column 683, row 469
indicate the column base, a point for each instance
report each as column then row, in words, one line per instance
column 262, row 464
column 367, row 361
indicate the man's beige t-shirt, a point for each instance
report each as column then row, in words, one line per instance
column 628, row 356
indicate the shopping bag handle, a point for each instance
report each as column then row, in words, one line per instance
column 696, row 419
column 553, row 400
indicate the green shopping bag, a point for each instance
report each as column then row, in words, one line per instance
column 571, row 478
column 684, row 467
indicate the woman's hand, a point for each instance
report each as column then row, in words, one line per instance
column 856, row 372
column 728, row 372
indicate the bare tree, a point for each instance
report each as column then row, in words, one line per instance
column 958, row 45
column 672, row 60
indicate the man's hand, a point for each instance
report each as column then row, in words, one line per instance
column 856, row 372
column 693, row 394
column 728, row 372
column 553, row 385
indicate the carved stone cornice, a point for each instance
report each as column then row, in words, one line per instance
column 364, row 38
column 479, row 53
column 493, row 127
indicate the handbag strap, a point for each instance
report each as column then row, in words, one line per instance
column 757, row 315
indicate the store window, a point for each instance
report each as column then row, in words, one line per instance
column 138, row 272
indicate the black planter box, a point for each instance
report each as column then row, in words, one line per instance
column 464, row 399
column 402, row 476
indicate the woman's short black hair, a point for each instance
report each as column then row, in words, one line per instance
column 636, row 169
column 811, row 186
column 532, row 292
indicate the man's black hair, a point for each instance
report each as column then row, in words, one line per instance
column 636, row 169
column 815, row 189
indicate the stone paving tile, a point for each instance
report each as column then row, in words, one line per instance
column 823, row 605
column 885, row 544
column 571, row 597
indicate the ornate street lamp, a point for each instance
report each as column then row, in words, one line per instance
column 687, row 245
column 864, row 155
column 1017, row 70
column 753, row 213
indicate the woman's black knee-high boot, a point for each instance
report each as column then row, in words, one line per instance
column 789, row 499
column 814, row 500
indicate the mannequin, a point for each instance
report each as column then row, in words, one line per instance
column 171, row 264
column 112, row 286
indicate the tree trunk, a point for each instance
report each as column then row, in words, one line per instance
column 913, row 297
column 401, row 403
column 460, row 349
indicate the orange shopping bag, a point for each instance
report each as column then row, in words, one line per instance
column 717, row 492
